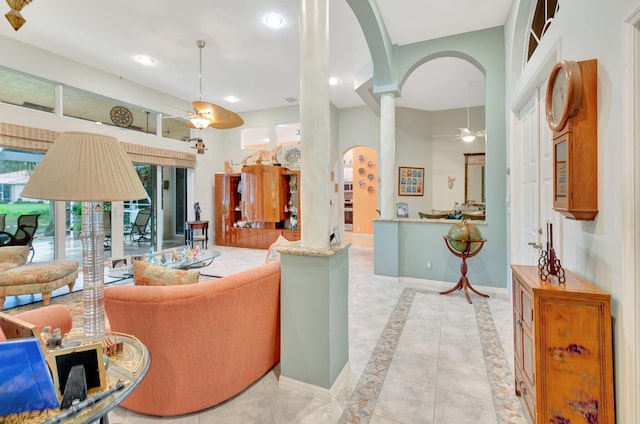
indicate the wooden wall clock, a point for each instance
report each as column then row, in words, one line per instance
column 571, row 110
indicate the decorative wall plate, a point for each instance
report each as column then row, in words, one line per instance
column 361, row 183
column 361, row 171
column 370, row 164
column 292, row 158
column 121, row 116
column 361, row 158
column 370, row 189
column 371, row 177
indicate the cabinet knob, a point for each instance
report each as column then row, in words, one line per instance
column 535, row 245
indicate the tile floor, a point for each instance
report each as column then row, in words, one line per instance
column 415, row 357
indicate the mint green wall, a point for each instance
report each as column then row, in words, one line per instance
column 314, row 316
column 485, row 49
column 402, row 248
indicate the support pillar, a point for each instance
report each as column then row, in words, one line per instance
column 387, row 160
column 314, row 123
column 314, row 352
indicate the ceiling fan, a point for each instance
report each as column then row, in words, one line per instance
column 466, row 134
column 204, row 114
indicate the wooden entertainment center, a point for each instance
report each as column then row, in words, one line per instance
column 255, row 206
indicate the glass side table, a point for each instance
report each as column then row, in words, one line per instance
column 127, row 367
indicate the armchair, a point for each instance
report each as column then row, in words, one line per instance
column 24, row 235
column 139, row 227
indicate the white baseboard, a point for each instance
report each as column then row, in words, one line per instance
column 318, row 392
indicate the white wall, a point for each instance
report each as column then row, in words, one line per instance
column 587, row 29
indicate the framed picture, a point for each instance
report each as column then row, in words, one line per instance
column 402, row 210
column 89, row 356
column 410, row 181
column 137, row 258
column 118, row 264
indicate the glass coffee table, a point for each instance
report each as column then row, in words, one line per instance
column 204, row 258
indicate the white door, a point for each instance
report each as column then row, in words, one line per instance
column 534, row 181
column 528, row 185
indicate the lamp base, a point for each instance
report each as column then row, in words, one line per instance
column 92, row 238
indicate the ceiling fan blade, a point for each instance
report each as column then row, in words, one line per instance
column 219, row 117
column 185, row 116
column 234, row 121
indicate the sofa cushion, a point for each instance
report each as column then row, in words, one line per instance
column 148, row 274
column 38, row 272
column 13, row 256
column 273, row 254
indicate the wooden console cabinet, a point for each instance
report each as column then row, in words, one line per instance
column 264, row 195
column 563, row 351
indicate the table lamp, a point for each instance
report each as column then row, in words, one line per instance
column 89, row 168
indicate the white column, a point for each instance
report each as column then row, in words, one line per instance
column 314, row 123
column 387, row 160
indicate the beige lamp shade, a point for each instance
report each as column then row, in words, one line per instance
column 85, row 167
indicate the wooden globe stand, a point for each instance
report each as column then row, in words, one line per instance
column 463, row 282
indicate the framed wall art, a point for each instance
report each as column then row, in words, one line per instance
column 410, row 181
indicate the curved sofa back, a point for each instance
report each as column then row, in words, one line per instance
column 208, row 341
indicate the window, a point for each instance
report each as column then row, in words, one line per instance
column 254, row 137
column 26, row 91
column 287, row 134
column 15, row 169
column 543, row 16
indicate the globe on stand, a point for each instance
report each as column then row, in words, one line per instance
column 461, row 233
column 464, row 240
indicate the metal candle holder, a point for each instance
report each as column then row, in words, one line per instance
column 549, row 266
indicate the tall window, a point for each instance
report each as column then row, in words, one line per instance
column 543, row 16
column 16, row 167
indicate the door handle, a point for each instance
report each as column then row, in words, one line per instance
column 535, row 245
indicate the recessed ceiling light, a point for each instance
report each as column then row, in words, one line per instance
column 232, row 99
column 145, row 60
column 334, row 81
column 274, row 21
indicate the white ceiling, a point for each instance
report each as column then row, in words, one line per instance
column 245, row 58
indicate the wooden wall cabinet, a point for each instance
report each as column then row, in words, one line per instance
column 562, row 348
column 227, row 203
column 265, row 195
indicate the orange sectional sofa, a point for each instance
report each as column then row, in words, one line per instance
column 208, row 341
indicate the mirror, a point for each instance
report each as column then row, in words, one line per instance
column 474, row 195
